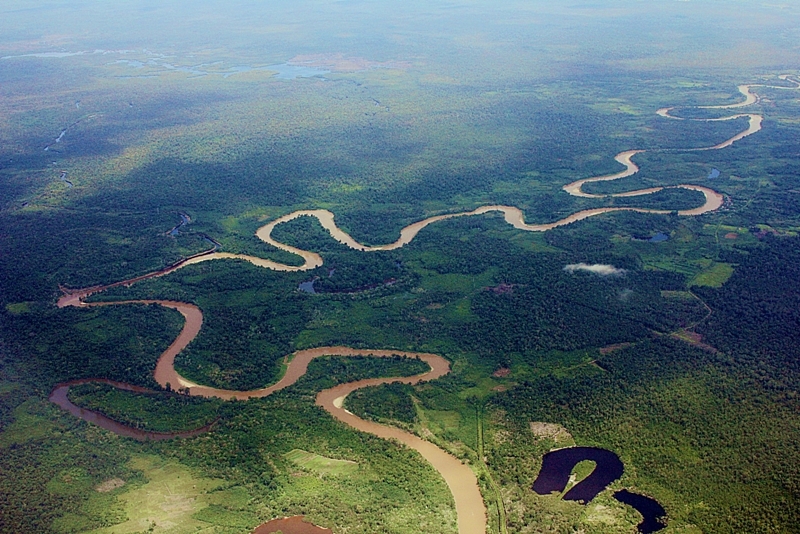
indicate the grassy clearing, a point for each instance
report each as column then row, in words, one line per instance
column 675, row 264
column 606, row 514
column 18, row 308
column 714, row 276
column 440, row 421
column 483, row 384
column 456, row 283
column 176, row 500
column 579, row 473
column 29, row 424
column 321, row 464
column 8, row 387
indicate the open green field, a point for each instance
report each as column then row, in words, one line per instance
column 321, row 464
column 714, row 276
column 175, row 499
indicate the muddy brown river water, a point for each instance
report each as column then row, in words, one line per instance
column 59, row 397
column 291, row 525
column 460, row 478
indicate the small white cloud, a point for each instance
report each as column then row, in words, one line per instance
column 597, row 268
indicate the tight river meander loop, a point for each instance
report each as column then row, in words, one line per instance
column 460, row 478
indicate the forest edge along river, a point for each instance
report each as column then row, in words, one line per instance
column 59, row 396
column 460, row 478
column 462, row 482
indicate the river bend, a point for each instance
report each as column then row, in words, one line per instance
column 460, row 479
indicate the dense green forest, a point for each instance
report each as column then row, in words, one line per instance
column 692, row 429
column 703, row 430
column 116, row 343
column 757, row 312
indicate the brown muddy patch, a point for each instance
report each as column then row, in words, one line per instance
column 503, row 372
column 615, row 346
column 291, row 525
column 110, row 485
column 731, row 235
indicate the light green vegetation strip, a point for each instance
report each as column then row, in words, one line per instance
column 321, row 464
column 502, row 522
column 714, row 276
column 28, row 424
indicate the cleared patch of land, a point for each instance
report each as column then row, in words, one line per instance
column 29, row 424
column 175, row 499
column 110, row 485
column 321, row 464
column 714, row 276
column 557, row 433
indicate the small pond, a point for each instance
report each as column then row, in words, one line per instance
column 307, row 287
column 287, row 71
column 659, row 238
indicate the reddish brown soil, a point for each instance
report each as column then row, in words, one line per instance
column 695, row 339
column 501, row 289
column 291, row 525
column 615, row 346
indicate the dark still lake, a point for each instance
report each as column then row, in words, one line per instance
column 558, row 465
column 652, row 512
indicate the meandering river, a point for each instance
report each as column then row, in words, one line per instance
column 60, row 398
column 460, row 478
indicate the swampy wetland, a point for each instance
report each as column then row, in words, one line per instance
column 552, row 253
